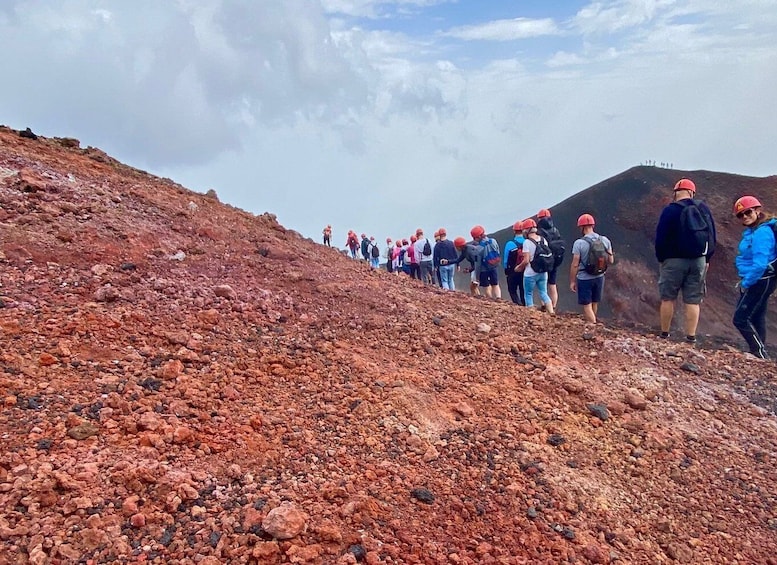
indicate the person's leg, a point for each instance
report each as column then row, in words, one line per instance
column 691, row 319
column 512, row 287
column 552, row 288
column 750, row 301
column 666, row 312
column 542, row 286
column 496, row 290
column 759, row 317
column 528, row 290
column 520, row 288
column 584, row 299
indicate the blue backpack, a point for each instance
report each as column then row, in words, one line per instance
column 492, row 258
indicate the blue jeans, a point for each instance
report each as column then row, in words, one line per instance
column 446, row 276
column 541, row 282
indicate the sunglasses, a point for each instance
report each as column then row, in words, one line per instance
column 747, row 212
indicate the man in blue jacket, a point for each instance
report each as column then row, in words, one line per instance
column 513, row 256
column 685, row 243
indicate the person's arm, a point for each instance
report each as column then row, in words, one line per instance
column 610, row 252
column 573, row 272
column 663, row 236
column 761, row 246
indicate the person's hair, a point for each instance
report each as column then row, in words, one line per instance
column 763, row 217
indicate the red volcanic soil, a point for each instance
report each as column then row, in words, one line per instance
column 185, row 382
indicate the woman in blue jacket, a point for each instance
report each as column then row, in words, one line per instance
column 756, row 269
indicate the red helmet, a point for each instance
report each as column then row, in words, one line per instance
column 518, row 226
column 441, row 232
column 372, row 238
column 459, row 242
column 544, row 213
column 413, row 239
column 399, row 243
column 529, row 224
column 388, row 240
column 685, row 184
column 477, row 231
column 587, row 220
column 419, row 231
column 745, row 203
column 437, row 233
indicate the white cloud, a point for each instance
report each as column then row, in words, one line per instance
column 505, row 30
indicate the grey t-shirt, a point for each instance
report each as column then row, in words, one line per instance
column 580, row 248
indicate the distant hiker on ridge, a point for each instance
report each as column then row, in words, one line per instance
column 445, row 250
column 365, row 247
column 352, row 243
column 756, row 263
column 328, row 236
column 685, row 243
column 492, row 258
column 513, row 257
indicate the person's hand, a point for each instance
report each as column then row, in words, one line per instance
column 573, row 285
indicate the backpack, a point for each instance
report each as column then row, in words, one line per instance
column 375, row 252
column 389, row 262
column 491, row 256
column 514, row 258
column 543, row 260
column 556, row 244
column 695, row 231
column 597, row 259
column 427, row 249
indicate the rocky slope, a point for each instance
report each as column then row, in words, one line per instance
column 184, row 382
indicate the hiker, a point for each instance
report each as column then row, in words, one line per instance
column 373, row 252
column 328, row 236
column 472, row 252
column 396, row 254
column 365, row 247
column 685, row 243
column 756, row 261
column 352, row 243
column 424, row 254
column 591, row 255
column 537, row 262
column 513, row 256
column 411, row 258
column 492, row 258
column 445, row 250
column 404, row 259
column 388, row 255
column 549, row 231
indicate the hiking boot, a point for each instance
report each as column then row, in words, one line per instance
column 690, row 338
column 664, row 335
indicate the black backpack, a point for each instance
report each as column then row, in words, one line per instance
column 543, row 260
column 695, row 231
column 427, row 249
column 514, row 258
column 375, row 253
column 556, row 244
column 597, row 259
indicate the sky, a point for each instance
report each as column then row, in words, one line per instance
column 383, row 116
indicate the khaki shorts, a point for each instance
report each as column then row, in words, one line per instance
column 688, row 275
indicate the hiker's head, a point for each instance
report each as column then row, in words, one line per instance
column 544, row 213
column 586, row 222
column 684, row 188
column 477, row 233
column 529, row 226
column 442, row 233
column 404, row 242
column 413, row 239
column 459, row 242
column 518, row 227
column 364, row 235
column 748, row 210
column 388, row 240
column 419, row 232
column 437, row 235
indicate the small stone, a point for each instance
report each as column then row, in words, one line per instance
column 285, row 521
column 556, row 439
column 138, row 520
column 634, row 399
column 483, row 328
column 82, row 431
column 532, row 513
column 599, row 410
column 690, row 367
column 225, row 291
column 423, row 495
column 464, row 410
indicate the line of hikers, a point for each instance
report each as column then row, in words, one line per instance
column 684, row 245
column 530, row 260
